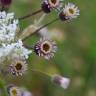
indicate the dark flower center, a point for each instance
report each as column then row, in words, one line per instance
column 18, row 66
column 71, row 11
column 46, row 47
column 53, row 1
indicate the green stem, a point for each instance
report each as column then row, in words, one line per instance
column 37, row 23
column 41, row 28
column 2, row 87
column 30, row 14
column 42, row 73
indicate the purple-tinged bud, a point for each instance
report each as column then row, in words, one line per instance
column 62, row 17
column 5, row 5
column 6, row 2
column 61, row 81
column 45, row 7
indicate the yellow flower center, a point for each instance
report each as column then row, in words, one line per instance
column 71, row 10
column 14, row 92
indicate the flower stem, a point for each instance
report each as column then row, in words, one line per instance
column 42, row 73
column 30, row 14
column 41, row 28
column 2, row 88
column 28, row 46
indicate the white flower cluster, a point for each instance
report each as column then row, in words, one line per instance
column 11, row 48
column 8, row 27
column 71, row 11
column 14, row 50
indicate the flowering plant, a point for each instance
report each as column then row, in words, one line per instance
column 14, row 52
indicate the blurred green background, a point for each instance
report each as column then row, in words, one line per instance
column 76, row 55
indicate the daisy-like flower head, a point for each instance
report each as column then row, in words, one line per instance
column 45, row 48
column 18, row 67
column 54, row 3
column 14, row 91
column 61, row 81
column 47, row 5
column 69, row 12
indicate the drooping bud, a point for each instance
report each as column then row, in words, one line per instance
column 61, row 81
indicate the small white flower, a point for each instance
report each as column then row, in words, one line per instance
column 18, row 67
column 71, row 11
column 20, row 51
column 14, row 91
column 17, row 91
column 2, row 15
column 45, row 48
column 8, row 27
column 10, row 16
column 14, row 50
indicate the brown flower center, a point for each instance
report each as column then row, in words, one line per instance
column 71, row 11
column 53, row 1
column 18, row 66
column 46, row 47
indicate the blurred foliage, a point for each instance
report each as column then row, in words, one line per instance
column 76, row 56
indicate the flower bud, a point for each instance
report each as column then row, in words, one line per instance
column 61, row 81
column 6, row 2
column 45, row 7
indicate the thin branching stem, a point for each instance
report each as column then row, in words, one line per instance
column 41, row 28
column 42, row 73
column 30, row 14
column 28, row 46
